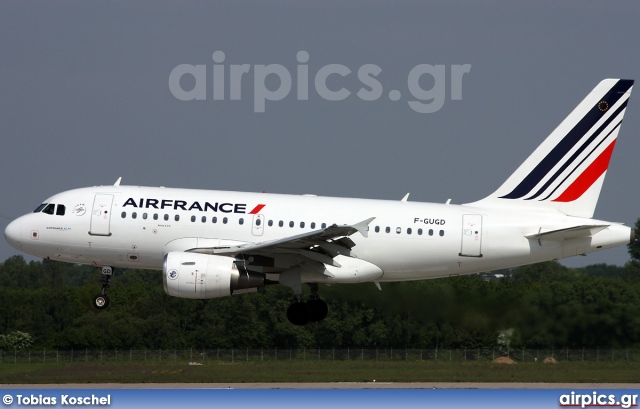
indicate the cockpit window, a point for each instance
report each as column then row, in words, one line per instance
column 49, row 208
column 60, row 210
column 39, row 208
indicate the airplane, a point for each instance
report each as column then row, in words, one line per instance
column 211, row 244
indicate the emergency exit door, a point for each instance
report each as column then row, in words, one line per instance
column 258, row 225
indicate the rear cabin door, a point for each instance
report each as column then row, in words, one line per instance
column 101, row 215
column 471, row 235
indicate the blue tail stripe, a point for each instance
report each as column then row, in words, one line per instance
column 568, row 142
column 582, row 161
column 579, row 151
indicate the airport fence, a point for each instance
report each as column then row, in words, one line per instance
column 207, row 356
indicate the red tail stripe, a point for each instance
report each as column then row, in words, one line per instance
column 588, row 177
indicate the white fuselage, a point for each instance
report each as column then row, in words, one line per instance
column 134, row 227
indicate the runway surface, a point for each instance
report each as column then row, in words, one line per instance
column 330, row 385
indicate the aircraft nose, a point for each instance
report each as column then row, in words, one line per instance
column 13, row 234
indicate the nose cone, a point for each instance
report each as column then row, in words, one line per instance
column 13, row 234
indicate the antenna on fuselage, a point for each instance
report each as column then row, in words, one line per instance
column 118, row 181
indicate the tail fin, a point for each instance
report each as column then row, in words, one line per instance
column 565, row 173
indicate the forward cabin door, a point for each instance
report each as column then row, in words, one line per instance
column 101, row 215
column 471, row 235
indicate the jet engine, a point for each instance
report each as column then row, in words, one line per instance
column 193, row 275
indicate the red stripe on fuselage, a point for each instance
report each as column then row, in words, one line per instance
column 257, row 209
column 588, row 177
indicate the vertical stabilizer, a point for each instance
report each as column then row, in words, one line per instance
column 565, row 173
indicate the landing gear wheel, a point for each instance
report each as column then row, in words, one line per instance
column 318, row 310
column 101, row 301
column 298, row 313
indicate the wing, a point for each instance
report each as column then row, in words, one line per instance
column 317, row 246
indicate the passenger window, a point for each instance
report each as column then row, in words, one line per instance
column 258, row 222
column 419, row 232
column 398, row 230
column 39, row 208
column 270, row 223
column 134, row 215
column 291, row 224
column 193, row 219
column 324, row 225
column 388, row 229
column 441, row 233
column 204, row 219
column 49, row 208
column 280, row 223
column 430, row 232
column 214, row 219
column 144, row 216
column 60, row 210
column 155, row 216
column 123, row 214
column 166, row 217
column 241, row 221
column 302, row 225
column 409, row 230
column 225, row 220
column 177, row 217
column 313, row 225
column 377, row 229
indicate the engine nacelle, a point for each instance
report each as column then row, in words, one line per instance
column 193, row 275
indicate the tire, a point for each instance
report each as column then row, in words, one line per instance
column 101, row 301
column 298, row 313
column 318, row 310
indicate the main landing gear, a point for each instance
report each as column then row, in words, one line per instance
column 101, row 301
column 314, row 310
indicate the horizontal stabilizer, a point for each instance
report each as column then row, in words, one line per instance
column 569, row 233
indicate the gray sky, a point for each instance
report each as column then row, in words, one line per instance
column 85, row 98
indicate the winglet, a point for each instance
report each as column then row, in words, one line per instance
column 363, row 226
column 118, row 181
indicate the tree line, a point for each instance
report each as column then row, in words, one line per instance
column 48, row 304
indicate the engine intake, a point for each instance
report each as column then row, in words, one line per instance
column 193, row 275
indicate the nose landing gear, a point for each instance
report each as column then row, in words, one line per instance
column 101, row 301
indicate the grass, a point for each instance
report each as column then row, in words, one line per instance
column 339, row 371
